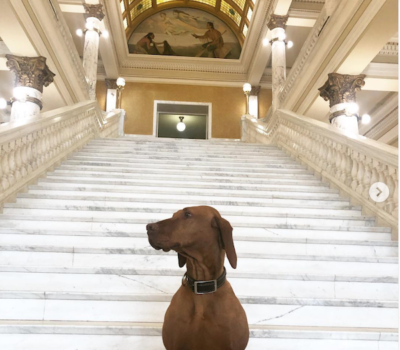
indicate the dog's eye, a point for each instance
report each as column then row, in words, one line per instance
column 187, row 214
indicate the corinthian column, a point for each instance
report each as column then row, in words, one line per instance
column 31, row 75
column 340, row 90
column 94, row 14
column 277, row 25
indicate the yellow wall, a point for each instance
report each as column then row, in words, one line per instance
column 228, row 105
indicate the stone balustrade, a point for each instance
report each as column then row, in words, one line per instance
column 30, row 148
column 351, row 163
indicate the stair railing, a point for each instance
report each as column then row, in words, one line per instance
column 351, row 163
column 30, row 148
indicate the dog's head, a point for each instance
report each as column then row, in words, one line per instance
column 193, row 229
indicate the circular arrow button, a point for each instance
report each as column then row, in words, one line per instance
column 379, row 192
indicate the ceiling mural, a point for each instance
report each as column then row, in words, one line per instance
column 184, row 32
column 231, row 16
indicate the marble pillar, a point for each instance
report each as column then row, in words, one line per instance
column 94, row 15
column 253, row 101
column 340, row 90
column 277, row 25
column 31, row 75
column 111, row 102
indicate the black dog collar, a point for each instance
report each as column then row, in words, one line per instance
column 205, row 287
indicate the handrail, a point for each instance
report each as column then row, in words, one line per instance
column 349, row 162
column 30, row 148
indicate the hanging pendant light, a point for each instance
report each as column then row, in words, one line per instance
column 181, row 125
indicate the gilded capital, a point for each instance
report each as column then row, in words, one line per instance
column 95, row 10
column 341, row 88
column 111, row 84
column 277, row 21
column 31, row 72
column 255, row 90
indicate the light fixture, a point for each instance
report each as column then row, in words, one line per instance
column 289, row 44
column 181, row 125
column 120, row 82
column 247, row 90
column 3, row 103
column 19, row 94
column 120, row 86
column 79, row 32
column 366, row 119
column 266, row 42
column 352, row 108
column 105, row 34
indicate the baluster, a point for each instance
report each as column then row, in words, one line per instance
column 367, row 177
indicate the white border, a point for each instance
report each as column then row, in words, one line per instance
column 209, row 116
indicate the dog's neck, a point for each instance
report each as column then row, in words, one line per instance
column 205, row 266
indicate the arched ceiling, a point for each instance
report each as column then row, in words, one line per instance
column 236, row 14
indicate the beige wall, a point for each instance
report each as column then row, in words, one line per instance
column 228, row 105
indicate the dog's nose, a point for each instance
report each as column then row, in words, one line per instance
column 151, row 227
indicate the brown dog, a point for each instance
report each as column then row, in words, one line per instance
column 202, row 315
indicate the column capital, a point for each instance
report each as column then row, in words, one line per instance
column 255, row 90
column 341, row 88
column 277, row 21
column 30, row 72
column 95, row 10
column 111, row 84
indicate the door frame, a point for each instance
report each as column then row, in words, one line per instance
column 209, row 115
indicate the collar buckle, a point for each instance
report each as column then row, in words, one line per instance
column 205, row 284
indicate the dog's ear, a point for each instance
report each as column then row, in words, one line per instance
column 225, row 229
column 181, row 260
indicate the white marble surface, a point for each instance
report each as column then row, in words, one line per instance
column 278, row 67
column 121, row 342
column 90, row 55
column 22, row 110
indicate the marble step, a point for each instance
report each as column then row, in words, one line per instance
column 112, row 226
column 52, row 185
column 227, row 198
column 138, row 153
column 179, row 202
column 181, row 184
column 188, row 162
column 147, row 311
column 161, row 296
column 140, row 245
column 249, row 176
column 182, row 160
column 133, row 217
column 159, row 207
column 233, row 168
column 20, row 285
column 241, row 234
column 368, row 236
column 48, row 337
column 99, row 173
column 165, row 264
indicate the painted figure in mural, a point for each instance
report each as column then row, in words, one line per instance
column 148, row 46
column 214, row 43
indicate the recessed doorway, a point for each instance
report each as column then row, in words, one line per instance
column 194, row 120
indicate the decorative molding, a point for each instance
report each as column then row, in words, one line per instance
column 94, row 10
column 390, row 49
column 341, row 88
column 387, row 123
column 382, row 70
column 301, row 59
column 277, row 21
column 30, row 72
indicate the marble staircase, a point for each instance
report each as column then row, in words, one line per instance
column 77, row 271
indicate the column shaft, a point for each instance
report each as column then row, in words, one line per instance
column 91, row 54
